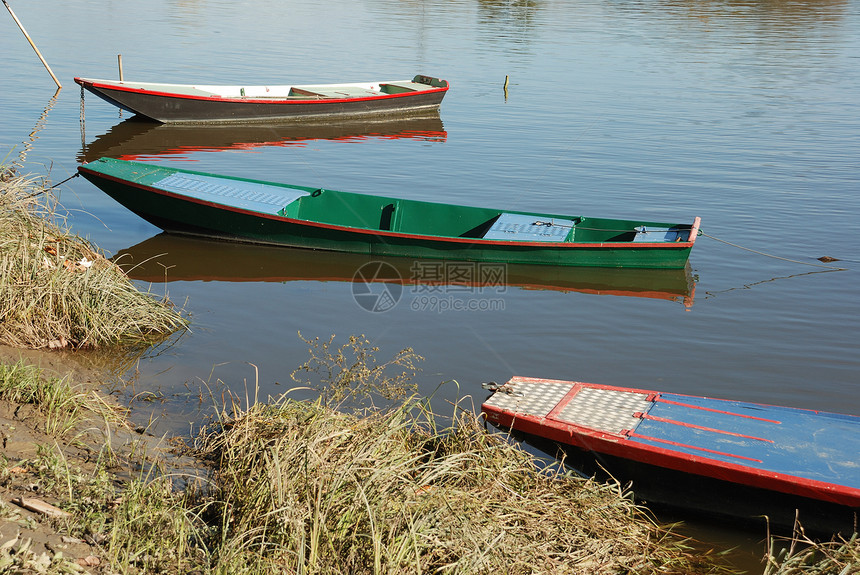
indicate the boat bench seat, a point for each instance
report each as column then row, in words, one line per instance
column 526, row 228
column 339, row 92
column 395, row 87
column 253, row 196
column 652, row 235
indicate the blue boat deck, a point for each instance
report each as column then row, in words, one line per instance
column 812, row 445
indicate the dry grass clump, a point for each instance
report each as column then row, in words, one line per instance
column 805, row 556
column 299, row 487
column 302, row 488
column 350, row 375
column 57, row 290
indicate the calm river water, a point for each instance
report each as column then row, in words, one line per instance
column 743, row 112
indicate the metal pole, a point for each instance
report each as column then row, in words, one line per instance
column 39, row 54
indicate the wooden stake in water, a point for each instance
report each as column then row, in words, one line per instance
column 39, row 54
column 119, row 63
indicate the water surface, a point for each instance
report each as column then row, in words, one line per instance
column 740, row 112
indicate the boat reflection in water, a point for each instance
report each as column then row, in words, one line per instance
column 135, row 138
column 168, row 257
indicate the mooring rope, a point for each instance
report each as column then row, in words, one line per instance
column 75, row 175
column 502, row 388
column 42, row 191
column 771, row 255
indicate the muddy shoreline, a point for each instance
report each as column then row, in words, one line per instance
column 21, row 432
column 34, row 531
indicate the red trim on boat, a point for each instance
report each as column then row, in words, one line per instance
column 568, row 397
column 691, row 406
column 702, row 427
column 694, row 230
column 684, row 445
column 594, row 385
column 281, row 100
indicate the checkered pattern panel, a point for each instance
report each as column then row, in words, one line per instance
column 605, row 409
column 248, row 195
column 529, row 398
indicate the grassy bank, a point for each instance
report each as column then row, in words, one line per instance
column 57, row 290
column 299, row 487
column 308, row 489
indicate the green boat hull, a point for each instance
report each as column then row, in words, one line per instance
column 375, row 225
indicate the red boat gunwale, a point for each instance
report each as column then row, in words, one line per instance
column 274, row 100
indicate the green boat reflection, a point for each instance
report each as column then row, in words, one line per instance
column 169, row 258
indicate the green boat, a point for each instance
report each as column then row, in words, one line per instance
column 240, row 209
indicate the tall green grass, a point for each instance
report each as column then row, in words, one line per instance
column 62, row 404
column 57, row 290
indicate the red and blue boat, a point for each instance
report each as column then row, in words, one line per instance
column 724, row 457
